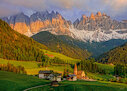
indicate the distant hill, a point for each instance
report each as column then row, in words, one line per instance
column 16, row 46
column 117, row 55
column 95, row 48
column 54, row 43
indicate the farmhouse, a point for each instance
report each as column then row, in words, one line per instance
column 72, row 77
column 45, row 74
column 55, row 77
column 50, row 75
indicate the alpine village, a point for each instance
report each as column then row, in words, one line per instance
column 63, row 45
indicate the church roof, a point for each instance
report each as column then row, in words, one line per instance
column 80, row 72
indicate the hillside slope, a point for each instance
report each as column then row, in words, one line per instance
column 95, row 48
column 15, row 46
column 117, row 55
column 55, row 44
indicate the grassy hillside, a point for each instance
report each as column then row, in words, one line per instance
column 17, row 82
column 85, row 86
column 57, row 45
column 117, row 55
column 109, row 68
column 63, row 57
column 25, row 64
column 32, row 67
column 15, row 46
column 18, row 47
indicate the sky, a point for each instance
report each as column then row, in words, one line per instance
column 70, row 9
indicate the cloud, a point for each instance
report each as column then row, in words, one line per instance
column 115, row 7
column 111, row 7
column 6, row 10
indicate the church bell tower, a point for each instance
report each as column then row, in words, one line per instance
column 75, row 69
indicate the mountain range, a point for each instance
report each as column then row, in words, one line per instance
column 97, row 33
column 97, row 28
column 66, row 42
column 39, row 21
column 16, row 46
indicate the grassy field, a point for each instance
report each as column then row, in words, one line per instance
column 107, row 67
column 25, row 64
column 99, row 76
column 85, row 86
column 32, row 67
column 16, row 82
column 63, row 57
column 56, row 68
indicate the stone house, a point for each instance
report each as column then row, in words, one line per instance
column 72, row 77
column 45, row 74
column 55, row 77
column 50, row 75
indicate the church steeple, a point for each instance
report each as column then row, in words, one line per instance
column 75, row 69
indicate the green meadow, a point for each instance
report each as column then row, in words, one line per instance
column 63, row 57
column 25, row 64
column 109, row 68
column 18, row 82
column 85, row 86
column 32, row 67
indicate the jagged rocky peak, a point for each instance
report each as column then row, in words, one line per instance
column 44, row 15
column 99, row 14
column 22, row 18
column 84, row 17
column 98, row 21
column 92, row 16
column 39, row 21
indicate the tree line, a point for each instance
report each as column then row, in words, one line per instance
column 46, row 61
column 11, row 68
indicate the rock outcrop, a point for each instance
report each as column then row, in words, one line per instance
column 96, row 27
column 98, row 21
column 39, row 21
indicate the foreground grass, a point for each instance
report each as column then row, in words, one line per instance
column 85, row 86
column 16, row 82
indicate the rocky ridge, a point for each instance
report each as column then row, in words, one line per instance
column 39, row 21
column 96, row 27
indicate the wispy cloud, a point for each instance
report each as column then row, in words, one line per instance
column 112, row 7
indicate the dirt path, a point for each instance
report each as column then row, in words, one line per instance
column 35, row 87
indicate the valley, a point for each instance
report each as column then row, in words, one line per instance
column 45, row 51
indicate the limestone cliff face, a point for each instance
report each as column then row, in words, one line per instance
column 19, row 22
column 98, row 21
column 39, row 21
column 55, row 24
column 21, row 27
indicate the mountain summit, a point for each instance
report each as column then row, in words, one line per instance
column 39, row 21
column 96, row 27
